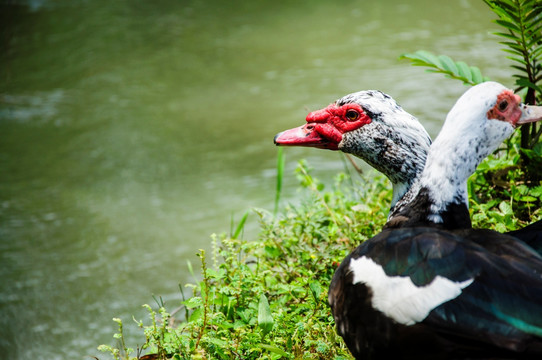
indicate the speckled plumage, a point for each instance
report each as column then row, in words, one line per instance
column 394, row 143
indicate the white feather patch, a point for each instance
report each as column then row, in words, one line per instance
column 397, row 296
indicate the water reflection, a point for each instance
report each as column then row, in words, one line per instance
column 131, row 131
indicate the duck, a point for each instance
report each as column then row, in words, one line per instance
column 431, row 287
column 372, row 126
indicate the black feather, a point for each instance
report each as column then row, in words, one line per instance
column 498, row 315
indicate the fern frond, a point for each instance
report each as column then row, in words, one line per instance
column 443, row 64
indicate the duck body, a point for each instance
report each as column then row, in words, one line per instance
column 531, row 235
column 429, row 293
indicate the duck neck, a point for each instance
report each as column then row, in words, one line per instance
column 436, row 198
column 399, row 190
column 439, row 196
column 400, row 157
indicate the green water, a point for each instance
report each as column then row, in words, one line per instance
column 132, row 130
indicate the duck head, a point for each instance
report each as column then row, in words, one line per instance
column 372, row 126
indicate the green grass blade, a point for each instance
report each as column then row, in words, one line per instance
column 240, row 226
column 280, row 176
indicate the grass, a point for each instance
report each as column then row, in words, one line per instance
column 266, row 298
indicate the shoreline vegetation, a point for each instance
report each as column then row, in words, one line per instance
column 266, row 297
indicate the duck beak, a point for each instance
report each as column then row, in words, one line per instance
column 530, row 114
column 305, row 136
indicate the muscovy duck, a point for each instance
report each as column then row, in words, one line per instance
column 421, row 291
column 372, row 126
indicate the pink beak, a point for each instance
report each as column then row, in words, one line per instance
column 305, row 136
column 530, row 114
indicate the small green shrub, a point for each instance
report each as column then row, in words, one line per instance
column 500, row 196
column 267, row 298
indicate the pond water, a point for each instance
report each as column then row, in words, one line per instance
column 130, row 131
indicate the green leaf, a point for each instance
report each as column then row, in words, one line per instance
column 509, row 8
column 535, row 40
column 448, row 64
column 424, row 58
column 506, row 208
column 514, row 45
column 274, row 349
column 520, row 68
column 218, row 342
column 526, row 83
column 265, row 318
column 217, row 275
column 533, row 14
column 477, row 77
column 537, row 191
column 508, row 24
column 464, row 70
column 272, row 251
column 196, row 314
column 502, row 13
column 532, row 28
column 428, row 57
column 514, row 52
column 193, row 302
column 519, row 60
column 508, row 36
column 316, row 289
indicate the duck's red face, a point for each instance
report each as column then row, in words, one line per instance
column 506, row 108
column 325, row 128
column 509, row 108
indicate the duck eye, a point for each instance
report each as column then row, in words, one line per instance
column 352, row 115
column 503, row 105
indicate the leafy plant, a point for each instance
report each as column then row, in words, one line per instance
column 266, row 298
column 499, row 196
column 521, row 21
